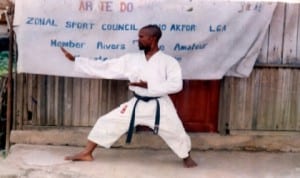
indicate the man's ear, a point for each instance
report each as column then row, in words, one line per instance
column 153, row 39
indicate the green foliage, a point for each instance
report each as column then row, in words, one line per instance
column 3, row 62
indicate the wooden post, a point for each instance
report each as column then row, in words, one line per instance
column 9, row 80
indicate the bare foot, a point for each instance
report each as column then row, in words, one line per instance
column 80, row 157
column 189, row 162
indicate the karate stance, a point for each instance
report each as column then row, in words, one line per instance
column 152, row 76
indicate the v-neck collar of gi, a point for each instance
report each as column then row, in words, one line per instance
column 151, row 58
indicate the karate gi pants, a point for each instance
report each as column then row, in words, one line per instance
column 111, row 126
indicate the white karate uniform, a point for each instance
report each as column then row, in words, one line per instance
column 163, row 75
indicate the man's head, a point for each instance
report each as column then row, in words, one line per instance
column 149, row 36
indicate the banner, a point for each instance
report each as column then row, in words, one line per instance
column 210, row 39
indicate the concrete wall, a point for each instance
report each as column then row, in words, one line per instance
column 251, row 141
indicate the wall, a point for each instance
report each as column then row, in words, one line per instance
column 269, row 99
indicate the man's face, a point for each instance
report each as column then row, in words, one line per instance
column 145, row 39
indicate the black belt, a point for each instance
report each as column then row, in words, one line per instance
column 157, row 115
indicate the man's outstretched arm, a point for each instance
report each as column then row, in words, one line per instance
column 109, row 69
column 67, row 54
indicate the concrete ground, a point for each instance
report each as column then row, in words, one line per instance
column 41, row 161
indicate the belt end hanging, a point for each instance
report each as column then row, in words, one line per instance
column 155, row 129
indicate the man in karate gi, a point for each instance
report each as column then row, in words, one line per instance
column 152, row 76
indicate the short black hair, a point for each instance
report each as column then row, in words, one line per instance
column 155, row 30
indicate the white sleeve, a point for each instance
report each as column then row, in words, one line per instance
column 109, row 69
column 171, row 84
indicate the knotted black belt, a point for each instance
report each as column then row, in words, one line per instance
column 157, row 115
